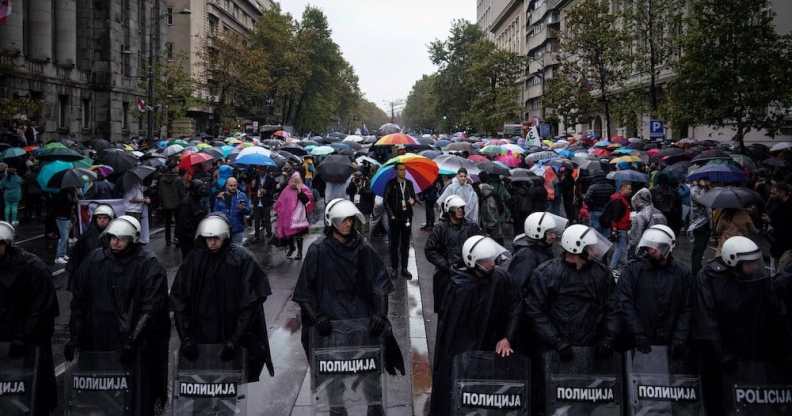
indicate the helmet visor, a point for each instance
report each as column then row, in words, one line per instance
column 655, row 241
column 560, row 223
column 497, row 255
column 600, row 247
column 754, row 269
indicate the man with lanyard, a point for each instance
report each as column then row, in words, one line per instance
column 399, row 200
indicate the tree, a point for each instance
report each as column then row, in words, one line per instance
column 174, row 90
column 735, row 71
column 568, row 97
column 595, row 47
column 421, row 111
column 655, row 26
column 370, row 115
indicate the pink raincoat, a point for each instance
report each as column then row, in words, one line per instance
column 287, row 203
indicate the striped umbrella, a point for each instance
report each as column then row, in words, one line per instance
column 421, row 171
column 396, row 138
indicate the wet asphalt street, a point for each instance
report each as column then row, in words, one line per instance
column 288, row 393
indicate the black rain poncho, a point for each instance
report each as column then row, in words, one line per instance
column 444, row 250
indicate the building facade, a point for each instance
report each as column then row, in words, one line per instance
column 542, row 37
column 83, row 62
column 188, row 37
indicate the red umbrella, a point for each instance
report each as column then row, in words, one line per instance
column 478, row 158
column 281, row 133
column 653, row 152
column 189, row 160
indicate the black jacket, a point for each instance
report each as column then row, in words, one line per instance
column 393, row 200
column 366, row 204
column 444, row 250
column 571, row 307
column 171, row 190
column 87, row 243
column 527, row 256
column 188, row 216
column 268, row 185
column 598, row 195
column 219, row 298
column 656, row 301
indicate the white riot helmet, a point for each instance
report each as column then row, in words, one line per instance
column 340, row 209
column 453, row 202
column 104, row 209
column 124, row 226
column 659, row 237
column 539, row 223
column 579, row 238
column 213, row 226
column 738, row 249
column 479, row 248
column 7, row 232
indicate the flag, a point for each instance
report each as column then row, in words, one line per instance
column 5, row 10
column 141, row 105
column 533, row 138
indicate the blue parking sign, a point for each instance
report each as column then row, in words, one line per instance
column 656, row 129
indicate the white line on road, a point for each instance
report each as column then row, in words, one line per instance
column 27, row 240
column 421, row 371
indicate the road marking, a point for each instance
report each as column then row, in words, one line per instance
column 27, row 240
column 421, row 371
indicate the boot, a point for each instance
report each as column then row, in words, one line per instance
column 291, row 248
column 299, row 248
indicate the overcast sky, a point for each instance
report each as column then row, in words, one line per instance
column 385, row 40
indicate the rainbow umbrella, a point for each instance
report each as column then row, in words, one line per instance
column 421, row 171
column 396, row 138
column 491, row 149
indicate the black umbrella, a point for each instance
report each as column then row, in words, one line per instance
column 117, row 159
column 217, row 154
column 335, row 168
column 295, row 150
column 712, row 154
column 136, row 175
column 99, row 144
column 730, row 197
column 59, row 153
column 388, row 128
column 272, row 143
column 289, row 156
column 678, row 170
column 493, row 168
column 71, row 178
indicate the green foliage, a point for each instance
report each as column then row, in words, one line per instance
column 421, row 110
column 371, row 115
column 174, row 90
column 595, row 48
column 20, row 108
column 736, row 69
column 568, row 97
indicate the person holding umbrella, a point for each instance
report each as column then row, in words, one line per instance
column 11, row 187
column 399, row 201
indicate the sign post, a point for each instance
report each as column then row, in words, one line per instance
column 656, row 129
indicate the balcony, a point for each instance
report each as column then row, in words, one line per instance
column 540, row 37
column 533, row 91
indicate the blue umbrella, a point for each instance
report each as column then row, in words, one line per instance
column 718, row 172
column 340, row 146
column 13, row 152
column 565, row 153
column 48, row 171
column 602, row 143
column 255, row 159
column 623, row 151
column 442, row 143
column 628, row 176
column 321, row 150
column 431, row 154
column 227, row 150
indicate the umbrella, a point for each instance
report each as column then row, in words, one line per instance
column 653, row 152
column 226, row 150
column 421, row 171
column 491, row 150
column 450, row 164
column 396, row 138
column 477, row 158
column 493, row 168
column 322, row 150
column 623, row 151
column 255, row 159
column 188, row 160
column 136, row 175
column 713, row 154
column 99, row 144
column 286, row 155
column 155, row 162
column 602, row 143
column 117, row 159
column 254, row 150
column 48, row 171
column 272, row 143
column 513, row 148
column 459, row 147
column 214, row 152
column 745, row 162
column 426, row 140
column 534, row 157
column 162, row 144
column 295, row 150
column 102, row 170
column 13, row 152
column 678, row 170
column 388, row 128
column 781, row 146
column 202, row 146
column 628, row 176
column 626, row 159
column 565, row 153
column 362, row 159
column 59, row 153
column 173, row 150
column 71, row 178
column 718, row 172
column 442, row 143
column 510, row 160
column 55, row 145
column 431, row 154
column 281, row 133
column 340, row 146
column 233, row 140
column 353, row 139
column 180, row 142
column 308, row 142
column 730, row 197
column 336, row 169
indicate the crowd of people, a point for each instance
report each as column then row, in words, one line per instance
column 592, row 234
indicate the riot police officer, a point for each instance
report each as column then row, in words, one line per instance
column 218, row 296
column 120, row 304
column 655, row 295
column 89, row 240
column 444, row 246
column 534, row 247
column 28, row 307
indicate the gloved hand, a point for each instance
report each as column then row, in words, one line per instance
column 228, row 352
column 642, row 344
column 603, row 349
column 377, row 324
column 678, row 350
column 127, row 353
column 69, row 350
column 189, row 350
column 324, row 326
column 566, row 353
column 16, row 349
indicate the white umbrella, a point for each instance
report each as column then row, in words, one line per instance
column 254, row 150
column 353, row 139
column 173, row 150
column 781, row 146
column 366, row 158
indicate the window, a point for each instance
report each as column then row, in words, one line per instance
column 170, row 16
column 86, row 113
column 213, row 23
column 125, row 116
column 169, row 49
column 63, row 111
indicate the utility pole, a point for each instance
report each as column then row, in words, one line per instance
column 393, row 104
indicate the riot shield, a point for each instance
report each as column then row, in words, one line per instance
column 347, row 375
column 659, row 386
column 488, row 385
column 17, row 391
column 98, row 385
column 758, row 389
column 585, row 385
column 208, row 385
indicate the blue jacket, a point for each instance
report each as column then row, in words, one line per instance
column 235, row 215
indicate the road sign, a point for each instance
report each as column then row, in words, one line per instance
column 656, row 129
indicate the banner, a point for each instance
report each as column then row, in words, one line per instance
column 85, row 209
column 5, row 10
column 533, row 137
